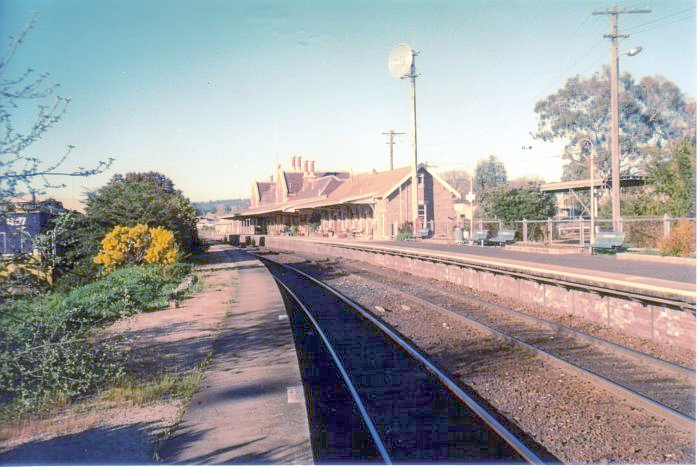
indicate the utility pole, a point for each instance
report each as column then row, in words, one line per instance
column 391, row 135
column 614, row 13
column 414, row 142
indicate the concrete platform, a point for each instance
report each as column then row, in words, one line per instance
column 251, row 407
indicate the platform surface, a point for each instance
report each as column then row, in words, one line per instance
column 251, row 407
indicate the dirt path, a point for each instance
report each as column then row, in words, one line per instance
column 111, row 428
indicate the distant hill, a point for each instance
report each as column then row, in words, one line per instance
column 222, row 207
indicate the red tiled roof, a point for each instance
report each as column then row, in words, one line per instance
column 267, row 192
column 294, row 181
column 319, row 187
column 370, row 184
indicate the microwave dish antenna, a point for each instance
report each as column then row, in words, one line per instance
column 400, row 61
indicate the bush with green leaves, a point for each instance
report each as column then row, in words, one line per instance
column 67, row 247
column 48, row 347
column 144, row 198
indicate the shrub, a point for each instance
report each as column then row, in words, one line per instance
column 67, row 248
column 405, row 231
column 137, row 245
column 46, row 349
column 681, row 241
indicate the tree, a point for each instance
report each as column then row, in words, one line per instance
column 459, row 180
column 19, row 170
column 672, row 176
column 512, row 205
column 670, row 186
column 490, row 174
column 653, row 112
column 144, row 198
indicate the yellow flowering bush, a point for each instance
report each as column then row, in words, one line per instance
column 162, row 249
column 136, row 245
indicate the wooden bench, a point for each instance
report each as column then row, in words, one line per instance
column 478, row 238
column 503, row 237
column 610, row 240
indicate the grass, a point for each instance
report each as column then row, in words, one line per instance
column 134, row 390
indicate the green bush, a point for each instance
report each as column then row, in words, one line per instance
column 46, row 344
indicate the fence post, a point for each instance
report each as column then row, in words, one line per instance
column 667, row 226
column 550, row 229
column 581, row 238
column 525, row 230
column 500, row 224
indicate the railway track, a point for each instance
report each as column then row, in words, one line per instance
column 665, row 389
column 373, row 397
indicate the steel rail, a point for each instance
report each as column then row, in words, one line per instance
column 341, row 368
column 680, row 420
column 649, row 298
column 566, row 331
column 590, row 339
column 522, row 449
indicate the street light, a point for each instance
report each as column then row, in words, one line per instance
column 591, row 210
column 633, row 51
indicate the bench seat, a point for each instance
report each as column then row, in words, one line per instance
column 503, row 237
column 478, row 238
column 608, row 241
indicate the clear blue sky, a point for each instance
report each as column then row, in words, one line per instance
column 214, row 93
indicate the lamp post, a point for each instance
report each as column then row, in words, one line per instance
column 591, row 208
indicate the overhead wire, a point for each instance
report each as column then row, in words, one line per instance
column 520, row 109
column 659, row 26
column 633, row 29
column 556, row 77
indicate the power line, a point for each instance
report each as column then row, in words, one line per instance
column 659, row 26
column 637, row 26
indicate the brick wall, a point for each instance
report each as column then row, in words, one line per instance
column 657, row 323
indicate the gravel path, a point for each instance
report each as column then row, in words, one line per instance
column 569, row 415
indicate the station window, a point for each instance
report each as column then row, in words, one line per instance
column 421, row 209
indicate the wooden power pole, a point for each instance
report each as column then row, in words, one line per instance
column 614, row 13
column 391, row 135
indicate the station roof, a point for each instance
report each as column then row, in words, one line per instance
column 585, row 184
column 332, row 191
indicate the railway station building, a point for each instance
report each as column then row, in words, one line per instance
column 373, row 205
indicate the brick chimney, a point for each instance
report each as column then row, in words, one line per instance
column 312, row 167
column 297, row 167
column 306, row 166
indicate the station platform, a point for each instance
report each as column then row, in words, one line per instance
column 603, row 269
column 250, row 408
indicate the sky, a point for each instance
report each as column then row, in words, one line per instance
column 215, row 93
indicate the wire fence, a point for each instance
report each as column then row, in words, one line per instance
column 640, row 233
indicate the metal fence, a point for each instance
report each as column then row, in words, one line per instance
column 641, row 233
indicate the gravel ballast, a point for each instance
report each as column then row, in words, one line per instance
column 571, row 416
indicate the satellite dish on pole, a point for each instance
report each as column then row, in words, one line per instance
column 400, row 61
